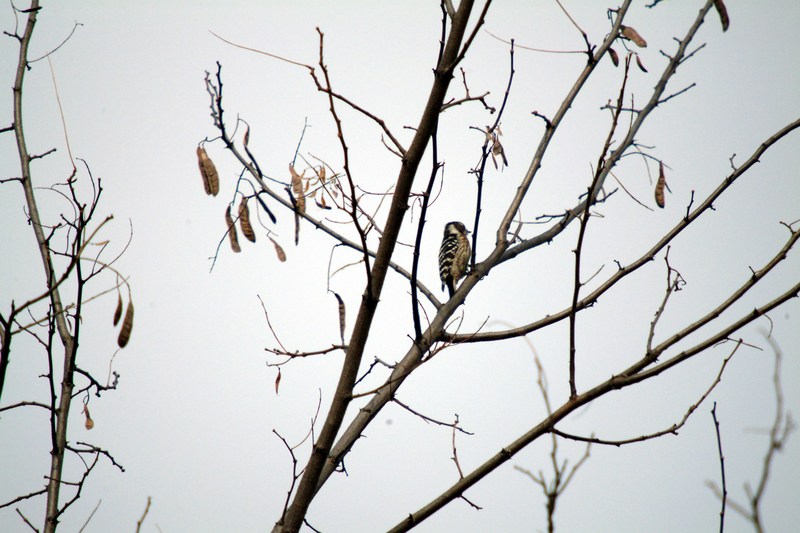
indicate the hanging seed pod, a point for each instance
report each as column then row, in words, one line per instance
column 244, row 221
column 278, row 381
column 321, row 202
column 614, row 57
column 127, row 327
column 633, row 35
column 278, row 251
column 341, row 316
column 232, row 234
column 497, row 150
column 660, row 184
column 118, row 310
column 89, row 424
column 723, row 14
column 266, row 210
column 639, row 63
column 297, row 190
column 208, row 172
column 246, row 137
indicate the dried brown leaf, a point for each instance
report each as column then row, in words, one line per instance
column 614, row 56
column 633, row 35
column 208, row 171
column 118, row 310
column 322, row 174
column 660, row 184
column 246, row 136
column 127, row 327
column 723, row 14
column 232, row 233
column 639, row 63
column 278, row 381
column 341, row 315
column 244, row 221
column 279, row 251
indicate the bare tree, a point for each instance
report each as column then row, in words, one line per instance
column 72, row 256
column 372, row 225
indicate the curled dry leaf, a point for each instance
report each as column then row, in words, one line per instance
column 208, row 171
column 246, row 136
column 633, row 35
column 639, row 63
column 723, row 14
column 278, row 251
column 341, row 316
column 278, row 381
column 614, row 56
column 660, row 184
column 89, row 424
column 118, row 310
column 127, row 327
column 232, row 233
column 244, row 221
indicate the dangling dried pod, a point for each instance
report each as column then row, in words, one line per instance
column 278, row 381
column 127, row 327
column 639, row 63
column 244, row 221
column 89, row 424
column 297, row 191
column 660, row 184
column 278, row 250
column 118, row 310
column 633, row 35
column 232, row 234
column 614, row 56
column 723, row 14
column 341, row 316
column 208, row 172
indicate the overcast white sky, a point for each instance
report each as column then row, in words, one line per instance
column 192, row 419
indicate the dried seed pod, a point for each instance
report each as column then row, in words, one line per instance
column 614, row 56
column 127, row 327
column 89, row 424
column 278, row 381
column 267, row 210
column 321, row 203
column 244, row 221
column 208, row 171
column 321, row 174
column 660, row 184
column 278, row 250
column 297, row 190
column 633, row 35
column 118, row 310
column 232, row 234
column 341, row 315
column 497, row 150
column 639, row 63
column 723, row 14
column 246, row 137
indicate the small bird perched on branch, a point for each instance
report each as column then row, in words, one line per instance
column 453, row 255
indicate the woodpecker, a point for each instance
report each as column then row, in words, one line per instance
column 453, row 255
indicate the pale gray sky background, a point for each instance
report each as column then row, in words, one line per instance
column 192, row 419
